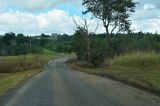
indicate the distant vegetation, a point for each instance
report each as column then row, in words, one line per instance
column 99, row 47
column 12, row 44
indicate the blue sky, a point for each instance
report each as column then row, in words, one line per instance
column 55, row 16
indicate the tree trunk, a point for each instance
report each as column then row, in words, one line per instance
column 107, row 30
column 88, row 49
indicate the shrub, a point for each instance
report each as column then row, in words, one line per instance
column 98, row 51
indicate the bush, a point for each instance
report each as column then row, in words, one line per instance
column 98, row 52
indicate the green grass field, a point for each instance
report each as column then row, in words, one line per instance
column 139, row 69
column 14, row 69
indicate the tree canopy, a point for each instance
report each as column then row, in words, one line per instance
column 113, row 13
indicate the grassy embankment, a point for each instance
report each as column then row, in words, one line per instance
column 139, row 69
column 14, row 69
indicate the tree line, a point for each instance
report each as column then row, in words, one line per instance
column 12, row 44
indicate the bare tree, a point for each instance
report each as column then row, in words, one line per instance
column 84, row 25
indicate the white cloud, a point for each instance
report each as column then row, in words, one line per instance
column 1, row 4
column 24, row 16
column 142, row 2
column 53, row 21
column 146, row 18
column 31, row 5
column 143, row 15
column 59, row 21
column 37, row 5
column 150, row 25
column 149, row 7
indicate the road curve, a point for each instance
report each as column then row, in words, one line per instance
column 58, row 85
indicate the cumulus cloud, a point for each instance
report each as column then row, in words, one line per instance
column 146, row 17
column 37, row 5
column 143, row 15
column 149, row 7
column 25, row 16
column 153, row 2
column 2, row 4
column 53, row 21
column 150, row 25
column 31, row 5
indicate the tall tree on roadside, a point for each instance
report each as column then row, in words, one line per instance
column 113, row 13
column 86, row 45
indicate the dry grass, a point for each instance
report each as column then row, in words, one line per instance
column 11, row 64
column 14, row 69
column 140, row 60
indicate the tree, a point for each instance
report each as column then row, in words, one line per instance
column 80, row 43
column 21, row 39
column 86, row 45
column 9, row 38
column 83, row 33
column 113, row 13
column 98, row 51
column 43, row 39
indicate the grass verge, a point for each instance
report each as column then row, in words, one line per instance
column 10, row 80
column 140, row 69
column 11, row 64
column 15, row 69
